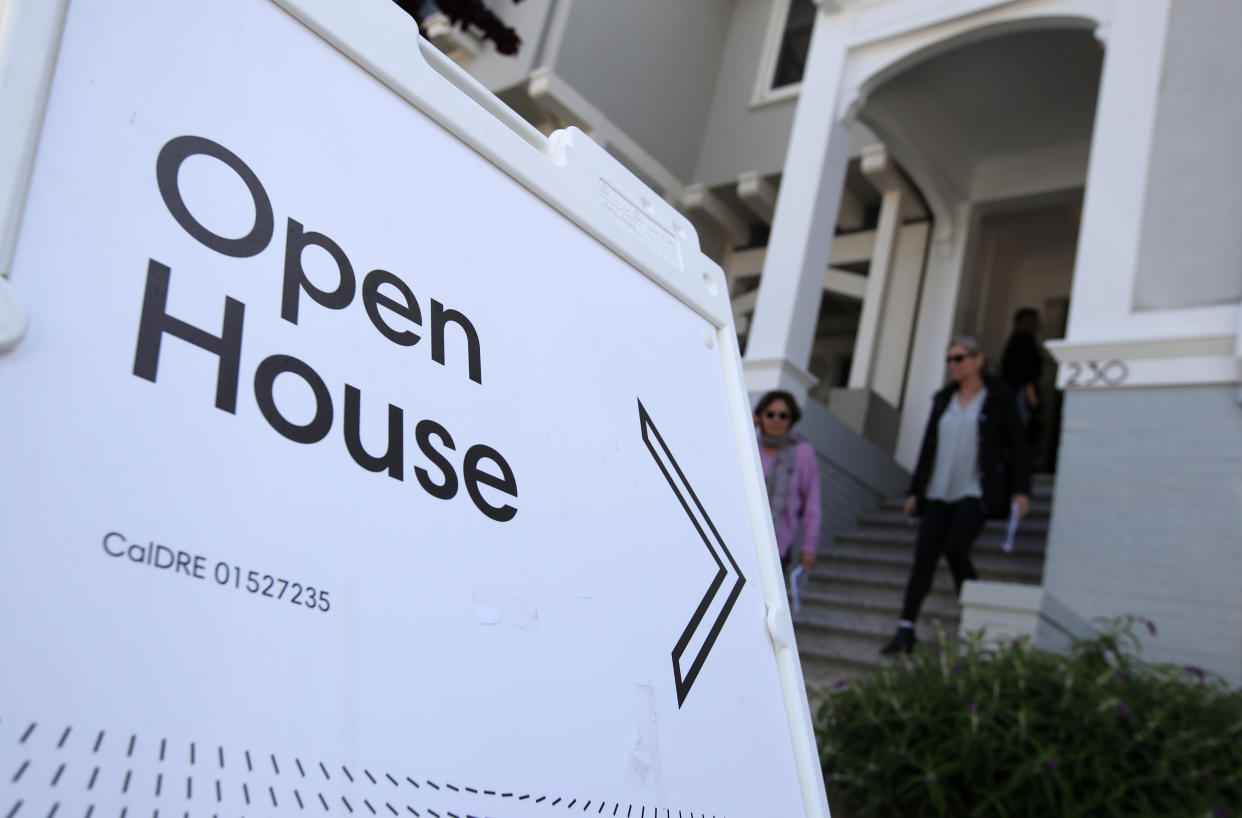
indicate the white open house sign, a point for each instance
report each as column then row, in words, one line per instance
column 363, row 451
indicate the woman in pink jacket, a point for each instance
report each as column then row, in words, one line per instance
column 792, row 475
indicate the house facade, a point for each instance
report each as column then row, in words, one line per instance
column 876, row 176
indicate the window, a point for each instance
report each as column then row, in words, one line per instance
column 795, row 43
column 785, row 50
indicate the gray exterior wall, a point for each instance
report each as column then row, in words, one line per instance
column 1147, row 518
column 650, row 66
column 1191, row 253
column 740, row 138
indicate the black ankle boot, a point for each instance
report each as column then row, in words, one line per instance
column 903, row 641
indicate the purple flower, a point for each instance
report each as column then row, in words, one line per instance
column 1208, row 775
column 841, row 683
column 974, row 705
column 929, row 779
column 1052, row 763
column 1151, row 626
column 1123, row 707
column 1220, row 812
column 1197, row 672
column 1120, row 674
column 957, row 670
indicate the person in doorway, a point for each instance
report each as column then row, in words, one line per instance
column 972, row 465
column 792, row 476
column 1021, row 365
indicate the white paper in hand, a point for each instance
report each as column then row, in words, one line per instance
column 797, row 584
column 1012, row 529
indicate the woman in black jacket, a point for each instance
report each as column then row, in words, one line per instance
column 972, row 465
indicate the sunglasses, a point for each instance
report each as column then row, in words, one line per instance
column 776, row 415
column 957, row 359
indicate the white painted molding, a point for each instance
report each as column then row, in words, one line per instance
column 886, row 21
column 758, row 194
column 764, row 93
column 1237, row 343
column 845, row 283
column 879, row 169
column 887, row 232
column 838, row 282
column 1119, row 373
column 1184, row 361
column 765, row 374
column 942, row 192
column 851, row 248
column 886, row 38
column 785, row 93
column 1237, row 355
column 1153, row 348
column 848, row 248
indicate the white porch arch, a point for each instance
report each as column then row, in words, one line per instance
column 855, row 53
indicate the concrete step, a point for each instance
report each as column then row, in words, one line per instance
column 831, row 654
column 842, row 604
column 839, row 654
column 1025, row 567
column 826, row 611
column 1025, row 546
column 1041, row 508
column 1031, row 525
column 853, row 599
column 853, row 578
column 1042, row 486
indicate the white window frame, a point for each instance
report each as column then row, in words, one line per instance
column 764, row 93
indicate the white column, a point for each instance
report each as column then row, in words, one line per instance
column 1121, row 143
column 934, row 328
column 900, row 308
column 782, row 331
column 876, row 166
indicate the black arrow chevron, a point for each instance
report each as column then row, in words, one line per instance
column 703, row 524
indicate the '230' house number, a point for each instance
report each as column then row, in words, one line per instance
column 1095, row 373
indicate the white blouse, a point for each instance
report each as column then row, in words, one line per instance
column 956, row 472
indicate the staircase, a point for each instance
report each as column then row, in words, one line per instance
column 853, row 597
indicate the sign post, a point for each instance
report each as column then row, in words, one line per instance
column 365, row 452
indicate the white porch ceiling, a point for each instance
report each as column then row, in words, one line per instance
column 1009, row 99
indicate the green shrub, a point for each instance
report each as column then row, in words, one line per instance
column 977, row 729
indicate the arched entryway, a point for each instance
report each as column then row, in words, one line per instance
column 996, row 130
column 987, row 121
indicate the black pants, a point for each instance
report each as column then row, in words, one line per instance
column 945, row 528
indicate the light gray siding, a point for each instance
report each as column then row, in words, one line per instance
column 650, row 66
column 1147, row 518
column 1191, row 251
column 740, row 138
